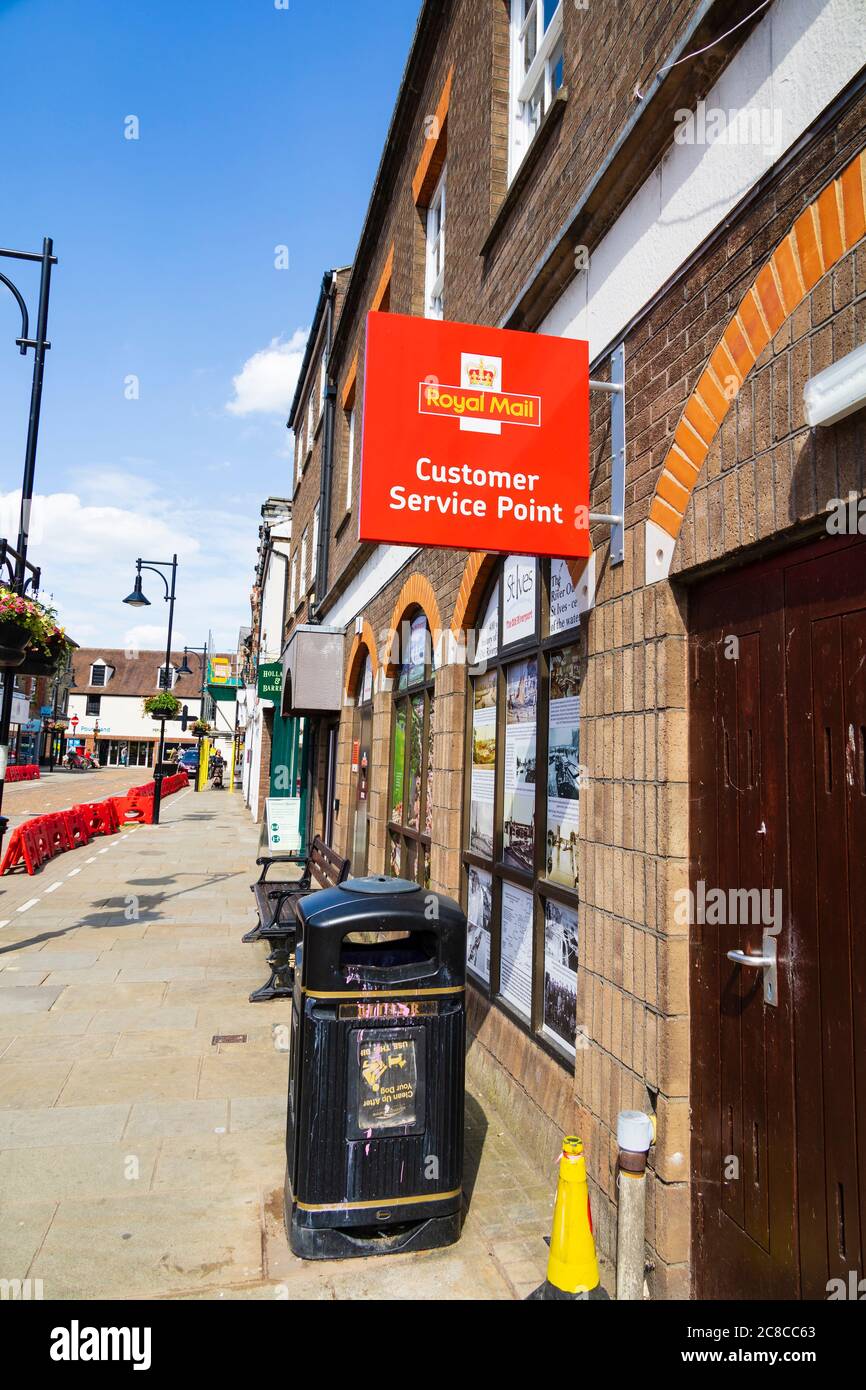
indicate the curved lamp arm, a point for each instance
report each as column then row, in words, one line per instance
column 25, row 320
column 142, row 565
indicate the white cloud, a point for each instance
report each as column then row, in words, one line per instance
column 266, row 382
column 88, row 551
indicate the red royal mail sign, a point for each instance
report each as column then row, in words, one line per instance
column 475, row 438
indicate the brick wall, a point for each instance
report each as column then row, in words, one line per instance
column 764, row 475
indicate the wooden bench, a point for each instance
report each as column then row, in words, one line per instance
column 276, row 901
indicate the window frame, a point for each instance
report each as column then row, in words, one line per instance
column 523, row 85
column 425, row 687
column 160, row 671
column 99, row 666
column 351, row 426
column 293, row 582
column 434, row 280
column 92, row 700
column 302, row 566
column 540, row 646
column 314, row 546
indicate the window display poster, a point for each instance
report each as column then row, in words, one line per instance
column 413, row 820
column 398, row 765
column 563, row 767
column 428, row 803
column 519, row 586
column 479, row 912
column 487, row 639
column 483, row 765
column 518, row 812
column 415, row 645
column 564, row 599
column 516, row 948
column 560, row 972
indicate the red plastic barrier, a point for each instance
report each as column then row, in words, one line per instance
column 134, row 808
column 22, row 772
column 100, row 817
column 77, row 827
column 42, row 840
column 23, row 849
column 58, row 832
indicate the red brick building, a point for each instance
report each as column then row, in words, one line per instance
column 682, row 184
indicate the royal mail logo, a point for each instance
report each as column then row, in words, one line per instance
column 479, row 403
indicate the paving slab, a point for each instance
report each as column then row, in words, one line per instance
column 139, row 1157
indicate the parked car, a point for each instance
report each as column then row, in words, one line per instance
column 189, row 760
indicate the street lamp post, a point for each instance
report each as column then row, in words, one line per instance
column 137, row 600
column 19, row 571
column 186, row 670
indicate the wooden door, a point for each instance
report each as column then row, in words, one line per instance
column 778, row 802
column 826, row 649
column 742, row 1074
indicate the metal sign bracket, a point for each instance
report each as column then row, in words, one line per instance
column 615, row 518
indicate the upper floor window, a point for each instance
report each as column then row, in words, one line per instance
column 311, row 420
column 303, row 562
column 166, row 677
column 350, row 456
column 293, row 584
column 99, row 673
column 94, row 705
column 536, row 70
column 300, row 452
column 434, row 290
column 315, row 546
column 323, row 380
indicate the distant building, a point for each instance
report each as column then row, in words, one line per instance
column 262, row 644
column 109, row 686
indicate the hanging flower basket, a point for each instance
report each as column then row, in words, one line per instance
column 21, row 621
column 162, row 706
column 201, row 728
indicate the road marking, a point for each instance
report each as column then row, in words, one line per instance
column 103, row 851
column 25, row 907
column 73, row 872
column 53, row 887
column 91, row 860
column 5, row 922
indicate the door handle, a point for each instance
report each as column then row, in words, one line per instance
column 767, row 961
column 740, row 958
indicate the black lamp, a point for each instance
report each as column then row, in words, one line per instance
column 136, row 599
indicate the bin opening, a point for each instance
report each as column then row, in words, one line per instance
column 388, row 949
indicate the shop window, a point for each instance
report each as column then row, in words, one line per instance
column 536, row 70
column 361, row 769
column 434, row 297
column 410, row 805
column 522, row 797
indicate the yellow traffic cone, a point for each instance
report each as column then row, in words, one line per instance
column 572, row 1266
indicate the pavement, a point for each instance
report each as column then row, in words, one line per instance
column 56, row 791
column 142, row 1157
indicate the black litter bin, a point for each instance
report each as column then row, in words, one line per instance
column 374, row 1140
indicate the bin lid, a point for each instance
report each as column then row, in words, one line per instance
column 379, row 883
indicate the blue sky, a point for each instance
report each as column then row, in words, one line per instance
column 259, row 127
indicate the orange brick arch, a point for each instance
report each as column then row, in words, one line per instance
column 362, row 643
column 477, row 574
column 821, row 235
column 417, row 592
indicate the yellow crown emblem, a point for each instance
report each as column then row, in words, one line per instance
column 481, row 375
